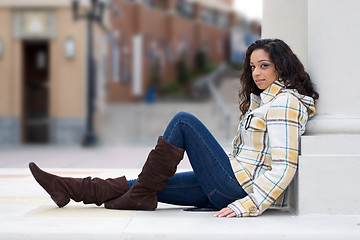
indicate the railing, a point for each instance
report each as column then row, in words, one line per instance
column 208, row 82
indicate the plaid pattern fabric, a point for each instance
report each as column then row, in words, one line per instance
column 266, row 147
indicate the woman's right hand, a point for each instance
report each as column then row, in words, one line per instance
column 225, row 212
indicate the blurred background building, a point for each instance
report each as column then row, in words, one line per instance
column 144, row 50
column 164, row 46
column 43, row 71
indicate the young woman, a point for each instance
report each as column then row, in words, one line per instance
column 276, row 101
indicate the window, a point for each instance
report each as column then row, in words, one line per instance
column 223, row 20
column 185, row 9
column 208, row 16
column 149, row 3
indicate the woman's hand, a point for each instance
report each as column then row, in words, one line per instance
column 225, row 212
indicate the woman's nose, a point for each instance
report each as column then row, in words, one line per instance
column 256, row 72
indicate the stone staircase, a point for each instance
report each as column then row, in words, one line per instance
column 142, row 123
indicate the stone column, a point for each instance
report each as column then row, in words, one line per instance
column 324, row 35
column 333, row 63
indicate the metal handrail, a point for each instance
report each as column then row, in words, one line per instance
column 209, row 82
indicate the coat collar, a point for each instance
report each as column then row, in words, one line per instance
column 276, row 88
column 270, row 93
column 267, row 95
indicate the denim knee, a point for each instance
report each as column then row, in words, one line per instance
column 173, row 133
column 183, row 116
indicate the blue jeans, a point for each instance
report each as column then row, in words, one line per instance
column 212, row 182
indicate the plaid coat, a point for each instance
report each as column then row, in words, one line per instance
column 266, row 147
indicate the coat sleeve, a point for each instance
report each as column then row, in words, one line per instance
column 284, row 120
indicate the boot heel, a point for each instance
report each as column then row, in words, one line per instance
column 60, row 199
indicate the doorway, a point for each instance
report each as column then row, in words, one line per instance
column 35, row 121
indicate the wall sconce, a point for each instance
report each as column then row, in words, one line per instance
column 1, row 48
column 70, row 47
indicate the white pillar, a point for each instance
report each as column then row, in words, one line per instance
column 287, row 20
column 333, row 63
column 324, row 34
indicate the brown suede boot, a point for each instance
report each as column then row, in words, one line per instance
column 88, row 190
column 160, row 165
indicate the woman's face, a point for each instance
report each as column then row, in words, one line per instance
column 263, row 70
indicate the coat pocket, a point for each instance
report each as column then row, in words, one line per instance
column 255, row 123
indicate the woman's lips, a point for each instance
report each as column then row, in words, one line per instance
column 260, row 80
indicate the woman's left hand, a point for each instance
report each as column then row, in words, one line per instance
column 225, row 212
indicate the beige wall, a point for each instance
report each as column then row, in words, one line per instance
column 67, row 76
column 10, row 69
column 17, row 78
column 5, row 63
column 67, row 80
column 101, row 54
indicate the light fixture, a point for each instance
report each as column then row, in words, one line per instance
column 70, row 47
column 94, row 14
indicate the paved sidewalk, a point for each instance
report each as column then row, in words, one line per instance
column 27, row 212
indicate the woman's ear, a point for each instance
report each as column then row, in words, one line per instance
column 278, row 71
column 277, row 74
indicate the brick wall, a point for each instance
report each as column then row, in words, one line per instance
column 166, row 36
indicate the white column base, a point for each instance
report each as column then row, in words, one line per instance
column 328, row 180
column 334, row 124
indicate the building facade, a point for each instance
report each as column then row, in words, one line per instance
column 153, row 36
column 43, row 59
column 43, row 71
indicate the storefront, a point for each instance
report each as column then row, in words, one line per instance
column 43, row 54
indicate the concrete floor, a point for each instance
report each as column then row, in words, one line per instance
column 27, row 212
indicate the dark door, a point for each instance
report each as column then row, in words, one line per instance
column 36, row 92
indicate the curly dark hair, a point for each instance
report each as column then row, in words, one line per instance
column 287, row 64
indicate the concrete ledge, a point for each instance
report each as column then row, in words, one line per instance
column 334, row 124
column 28, row 213
column 330, row 144
column 9, row 131
column 67, row 131
column 329, row 185
column 328, row 175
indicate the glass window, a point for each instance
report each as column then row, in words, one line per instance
column 208, row 16
column 185, row 9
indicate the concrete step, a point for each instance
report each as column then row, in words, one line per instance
column 142, row 123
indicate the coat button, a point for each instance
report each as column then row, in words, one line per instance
column 253, row 210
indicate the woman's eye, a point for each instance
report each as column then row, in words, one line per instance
column 252, row 68
column 264, row 65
